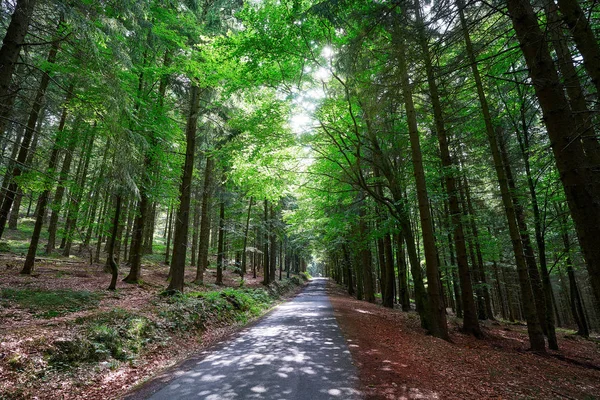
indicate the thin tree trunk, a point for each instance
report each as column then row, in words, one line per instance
column 135, row 252
column 403, row 294
column 365, row 257
column 169, row 235
column 544, row 309
column 27, row 138
column 43, row 199
column 272, row 246
column 60, row 191
column 114, row 267
column 205, row 221
column 266, row 258
column 220, row 247
column 77, row 195
column 243, row 268
column 196, row 225
column 575, row 296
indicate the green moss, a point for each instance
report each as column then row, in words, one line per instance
column 113, row 335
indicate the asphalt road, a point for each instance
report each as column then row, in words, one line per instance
column 296, row 353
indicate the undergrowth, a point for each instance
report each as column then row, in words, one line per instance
column 121, row 336
column 51, row 303
column 117, row 334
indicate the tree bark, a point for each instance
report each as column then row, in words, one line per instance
column 245, row 244
column 9, row 53
column 77, row 195
column 534, row 329
column 135, row 251
column 220, row 246
column 403, row 292
column 59, row 194
column 205, row 221
column 114, row 267
column 365, row 256
column 29, row 133
column 266, row 258
column 438, row 326
column 577, row 173
column 180, row 238
column 470, row 322
column 584, row 38
column 43, row 199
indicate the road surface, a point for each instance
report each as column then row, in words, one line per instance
column 296, row 353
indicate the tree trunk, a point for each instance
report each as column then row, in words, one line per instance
column 534, row 329
column 220, row 248
column 575, row 301
column 470, row 322
column 77, row 195
column 577, row 173
column 169, row 224
column 438, row 326
column 243, row 267
column 584, row 38
column 205, row 221
column 543, row 304
column 135, row 252
column 59, row 194
column 481, row 268
column 266, row 258
column 43, row 199
column 196, row 225
column 365, row 256
column 114, row 267
column 272, row 246
column 9, row 54
column 180, row 238
column 575, row 92
column 29, row 133
column 403, row 295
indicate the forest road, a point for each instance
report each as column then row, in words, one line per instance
column 297, row 352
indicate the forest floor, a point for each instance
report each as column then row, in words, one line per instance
column 396, row 360
column 63, row 336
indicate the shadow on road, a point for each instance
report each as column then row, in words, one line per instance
column 296, row 352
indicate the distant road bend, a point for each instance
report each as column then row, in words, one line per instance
column 296, row 353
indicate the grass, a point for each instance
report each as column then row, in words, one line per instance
column 51, row 303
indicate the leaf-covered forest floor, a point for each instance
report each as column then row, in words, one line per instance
column 64, row 336
column 396, row 360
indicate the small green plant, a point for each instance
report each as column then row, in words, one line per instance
column 16, row 362
column 4, row 247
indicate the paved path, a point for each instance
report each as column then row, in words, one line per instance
column 296, row 353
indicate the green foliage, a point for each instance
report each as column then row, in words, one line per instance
column 51, row 303
column 195, row 310
column 117, row 334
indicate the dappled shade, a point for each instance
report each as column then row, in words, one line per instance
column 297, row 352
